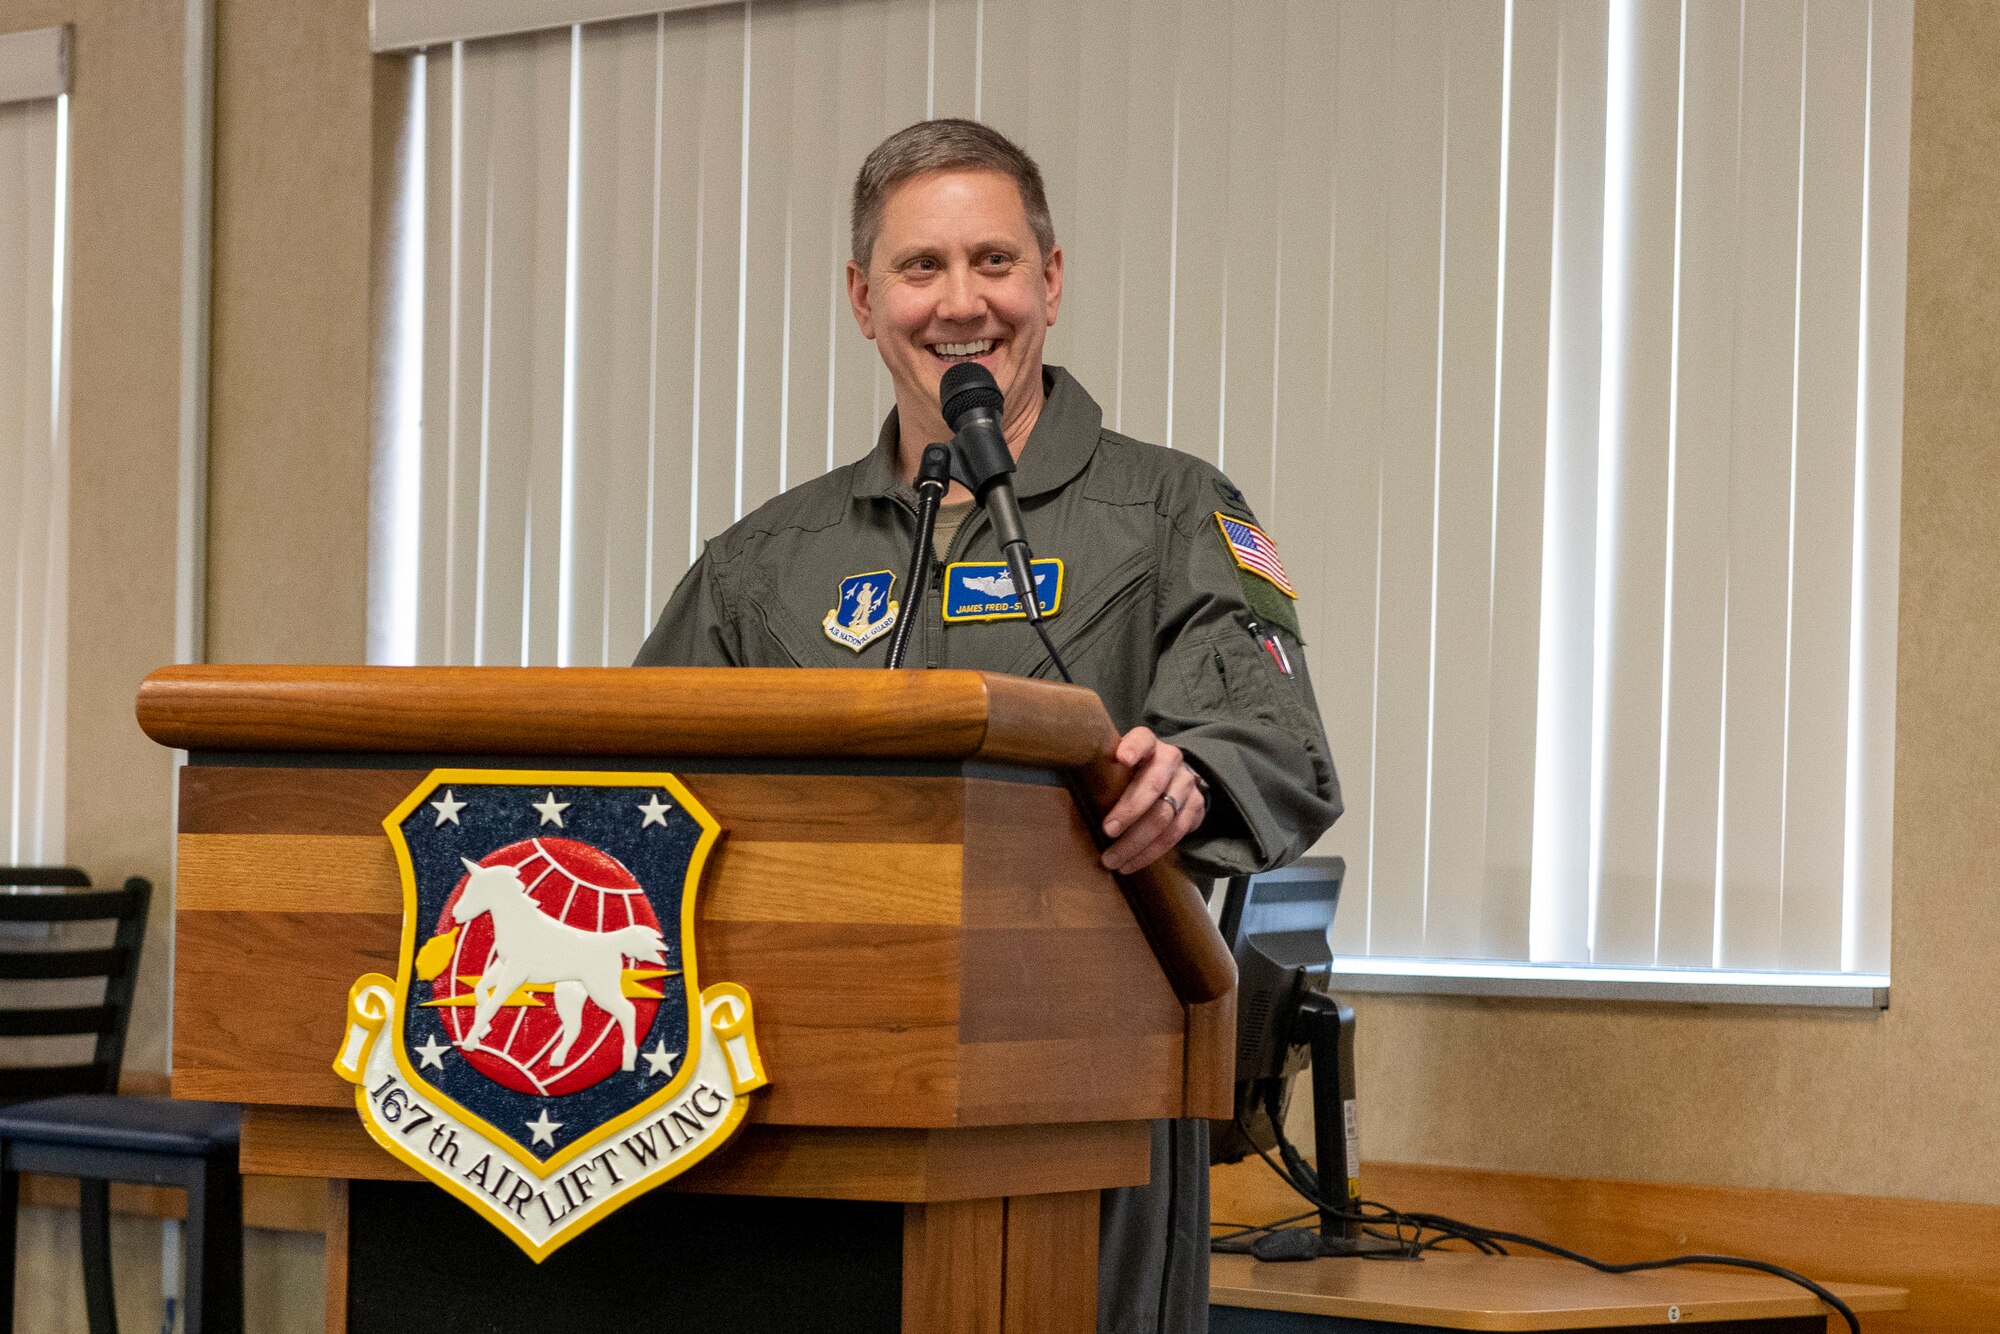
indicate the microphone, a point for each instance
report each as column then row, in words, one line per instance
column 980, row 459
column 971, row 402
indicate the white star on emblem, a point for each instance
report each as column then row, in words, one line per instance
column 446, row 808
column 660, row 1060
column 433, row 1052
column 544, row 1129
column 551, row 809
column 655, row 812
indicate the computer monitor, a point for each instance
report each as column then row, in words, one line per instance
column 1276, row 925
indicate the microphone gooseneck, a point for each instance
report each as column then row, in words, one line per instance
column 933, row 476
column 971, row 403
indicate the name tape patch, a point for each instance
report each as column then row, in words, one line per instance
column 983, row 590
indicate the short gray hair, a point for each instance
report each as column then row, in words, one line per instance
column 945, row 145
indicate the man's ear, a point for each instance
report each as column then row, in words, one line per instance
column 1052, row 274
column 857, row 297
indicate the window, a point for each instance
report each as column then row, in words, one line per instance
column 1558, row 343
column 34, row 450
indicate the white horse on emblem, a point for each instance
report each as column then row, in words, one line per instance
column 531, row 947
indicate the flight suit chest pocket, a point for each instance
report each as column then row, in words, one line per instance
column 1089, row 629
column 777, row 633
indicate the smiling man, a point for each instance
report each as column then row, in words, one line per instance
column 1162, row 593
column 949, row 266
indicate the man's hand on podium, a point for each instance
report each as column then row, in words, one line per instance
column 1165, row 803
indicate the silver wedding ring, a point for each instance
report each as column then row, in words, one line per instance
column 1174, row 805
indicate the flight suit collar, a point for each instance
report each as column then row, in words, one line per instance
column 1064, row 438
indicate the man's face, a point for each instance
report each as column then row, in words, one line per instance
column 956, row 275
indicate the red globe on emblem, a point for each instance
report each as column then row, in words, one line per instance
column 550, row 1039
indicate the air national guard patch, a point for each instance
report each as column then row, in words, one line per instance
column 545, row 1052
column 863, row 613
column 983, row 590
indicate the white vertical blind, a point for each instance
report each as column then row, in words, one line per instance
column 1559, row 902
column 34, row 506
column 1558, row 342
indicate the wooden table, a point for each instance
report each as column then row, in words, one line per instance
column 1452, row 1291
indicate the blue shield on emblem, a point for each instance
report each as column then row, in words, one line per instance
column 863, row 612
column 549, row 879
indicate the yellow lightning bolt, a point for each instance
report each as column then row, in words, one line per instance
column 531, row 993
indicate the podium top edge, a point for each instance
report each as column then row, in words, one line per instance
column 679, row 712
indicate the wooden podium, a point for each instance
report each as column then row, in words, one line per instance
column 967, row 1023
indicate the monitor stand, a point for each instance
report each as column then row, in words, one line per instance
column 1328, row 1029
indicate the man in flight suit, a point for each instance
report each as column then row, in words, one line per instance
column 1169, row 602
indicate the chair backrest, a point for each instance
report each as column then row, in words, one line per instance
column 45, row 877
column 70, row 899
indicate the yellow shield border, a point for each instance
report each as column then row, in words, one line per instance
column 349, row 1063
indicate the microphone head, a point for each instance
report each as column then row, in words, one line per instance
column 966, row 386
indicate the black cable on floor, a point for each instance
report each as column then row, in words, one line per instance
column 1489, row 1240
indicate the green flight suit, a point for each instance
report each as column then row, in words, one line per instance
column 1155, row 615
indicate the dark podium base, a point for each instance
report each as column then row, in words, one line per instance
column 420, row 1260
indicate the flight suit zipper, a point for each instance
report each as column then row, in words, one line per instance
column 934, row 614
column 934, row 610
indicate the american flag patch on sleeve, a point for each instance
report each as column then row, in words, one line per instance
column 1255, row 552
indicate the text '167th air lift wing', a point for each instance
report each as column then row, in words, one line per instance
column 544, row 1052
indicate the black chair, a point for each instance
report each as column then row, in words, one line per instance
column 78, row 1126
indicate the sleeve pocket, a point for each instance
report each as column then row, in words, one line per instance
column 1252, row 683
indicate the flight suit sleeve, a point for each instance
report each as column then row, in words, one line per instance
column 696, row 628
column 1230, row 688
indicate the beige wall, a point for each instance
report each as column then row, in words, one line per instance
column 1897, row 1104
column 289, row 457
column 289, row 400
column 124, row 376
column 124, row 349
column 1901, row 1103
column 290, row 423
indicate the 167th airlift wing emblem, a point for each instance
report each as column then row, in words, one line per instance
column 544, row 1052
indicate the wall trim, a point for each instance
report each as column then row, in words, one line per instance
column 410, row 25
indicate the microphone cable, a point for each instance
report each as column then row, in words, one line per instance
column 1062, row 668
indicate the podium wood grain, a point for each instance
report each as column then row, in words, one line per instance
column 953, row 1266
column 582, row 711
column 1023, row 1265
column 962, row 1013
column 574, row 713
column 1051, row 1264
column 985, row 972
column 903, row 1166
